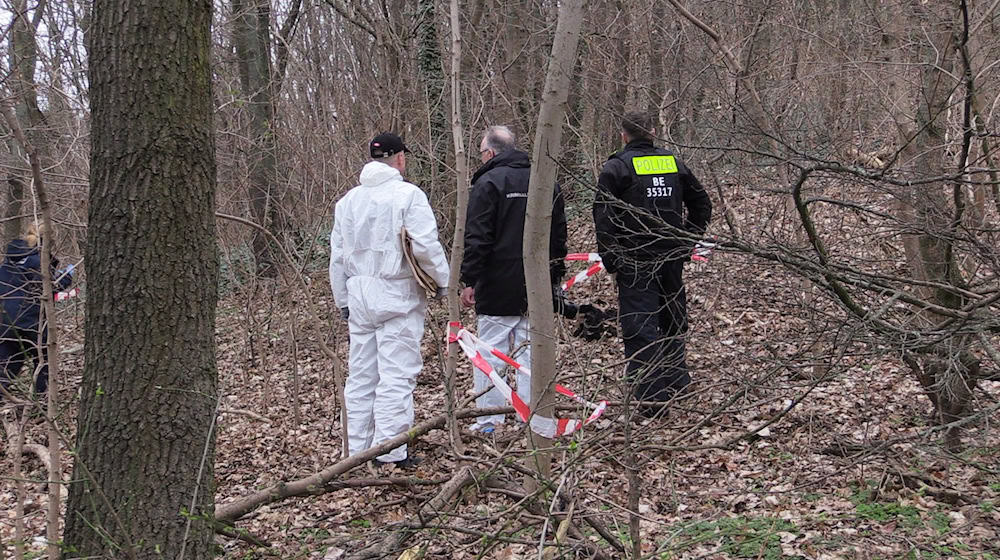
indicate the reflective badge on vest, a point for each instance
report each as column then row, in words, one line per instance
column 654, row 165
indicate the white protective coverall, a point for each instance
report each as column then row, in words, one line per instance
column 370, row 276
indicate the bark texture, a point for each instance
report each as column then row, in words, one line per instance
column 253, row 49
column 461, row 208
column 144, row 459
column 538, row 219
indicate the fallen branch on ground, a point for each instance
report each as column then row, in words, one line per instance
column 40, row 451
column 314, row 483
column 240, row 534
column 392, row 481
column 928, row 486
column 427, row 513
column 513, row 490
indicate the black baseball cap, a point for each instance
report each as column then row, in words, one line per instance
column 386, row 144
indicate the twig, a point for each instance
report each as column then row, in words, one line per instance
column 338, row 367
column 389, row 481
column 532, row 506
column 240, row 534
column 247, row 413
column 40, row 451
column 427, row 513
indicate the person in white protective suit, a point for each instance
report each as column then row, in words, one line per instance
column 378, row 294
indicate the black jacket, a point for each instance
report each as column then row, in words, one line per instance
column 21, row 286
column 494, row 228
column 640, row 189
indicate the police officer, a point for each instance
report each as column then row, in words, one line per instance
column 644, row 238
column 21, row 306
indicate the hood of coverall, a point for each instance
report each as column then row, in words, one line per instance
column 376, row 173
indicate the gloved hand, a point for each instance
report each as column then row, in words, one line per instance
column 68, row 271
column 561, row 305
column 441, row 293
column 345, row 313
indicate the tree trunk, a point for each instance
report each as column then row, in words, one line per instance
column 516, row 55
column 13, row 209
column 431, row 69
column 54, row 462
column 948, row 372
column 461, row 206
column 538, row 220
column 252, row 39
column 23, row 63
column 144, row 470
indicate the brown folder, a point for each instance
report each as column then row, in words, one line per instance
column 424, row 279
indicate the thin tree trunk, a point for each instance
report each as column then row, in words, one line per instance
column 948, row 374
column 296, row 377
column 47, row 320
column 21, row 490
column 538, row 223
column 458, row 242
column 431, row 69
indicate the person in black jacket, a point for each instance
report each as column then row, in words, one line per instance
column 644, row 238
column 493, row 270
column 21, row 296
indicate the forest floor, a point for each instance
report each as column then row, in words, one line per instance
column 849, row 467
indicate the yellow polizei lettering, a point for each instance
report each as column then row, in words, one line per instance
column 654, row 165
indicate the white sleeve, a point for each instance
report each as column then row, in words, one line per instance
column 338, row 273
column 420, row 224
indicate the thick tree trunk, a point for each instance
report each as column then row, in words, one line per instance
column 538, row 220
column 517, row 57
column 253, row 49
column 23, row 63
column 431, row 68
column 13, row 208
column 144, row 473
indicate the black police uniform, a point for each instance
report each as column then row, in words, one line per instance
column 639, row 215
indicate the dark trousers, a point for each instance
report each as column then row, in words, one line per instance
column 18, row 346
column 653, row 314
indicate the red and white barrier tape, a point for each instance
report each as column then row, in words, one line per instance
column 583, row 276
column 473, row 348
column 703, row 251
column 588, row 257
column 60, row 296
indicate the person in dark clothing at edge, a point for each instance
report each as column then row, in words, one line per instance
column 641, row 188
column 21, row 295
column 493, row 270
